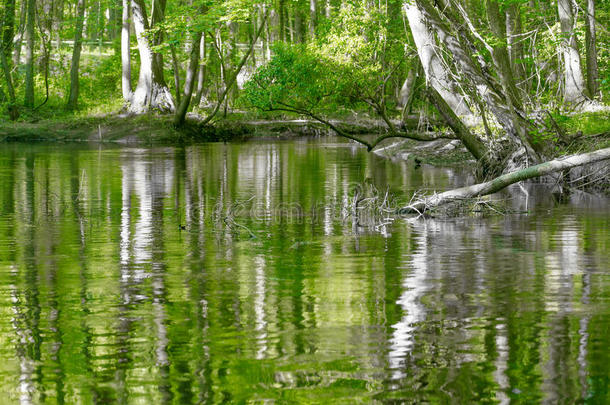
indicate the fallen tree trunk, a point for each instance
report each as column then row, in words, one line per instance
column 504, row 181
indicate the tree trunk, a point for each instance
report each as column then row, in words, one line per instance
column 313, row 18
column 188, row 81
column 515, row 44
column 8, row 27
column 405, row 97
column 591, row 50
column 267, row 35
column 20, row 32
column 299, row 25
column 434, row 69
column 497, row 23
column 282, row 14
column 176, row 68
column 44, row 27
column 477, row 76
column 474, row 145
column 573, row 81
column 501, row 182
column 78, row 43
column 202, row 70
column 59, row 17
column 151, row 91
column 158, row 15
column 29, row 53
column 231, row 81
column 125, row 54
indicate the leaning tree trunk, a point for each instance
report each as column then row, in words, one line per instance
column 78, row 44
column 475, row 76
column 434, row 69
column 501, row 182
column 591, row 50
column 573, row 81
column 29, row 53
column 125, row 54
column 20, row 32
column 151, row 91
column 189, row 81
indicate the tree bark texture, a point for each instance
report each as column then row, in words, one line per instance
column 78, row 44
column 573, row 81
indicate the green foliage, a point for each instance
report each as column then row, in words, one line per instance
column 296, row 79
column 587, row 123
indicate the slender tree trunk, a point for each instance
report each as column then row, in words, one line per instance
column 189, row 81
column 266, row 35
column 125, row 53
column 434, row 69
column 29, row 53
column 201, row 73
column 290, row 15
column 407, row 91
column 20, row 32
column 176, row 68
column 57, row 21
column 515, row 44
column 78, row 43
column 591, row 49
column 233, row 78
column 299, row 26
column 282, row 14
column 158, row 15
column 151, row 91
column 573, row 81
column 313, row 17
column 8, row 28
column 45, row 21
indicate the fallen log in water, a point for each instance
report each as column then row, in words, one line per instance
column 501, row 182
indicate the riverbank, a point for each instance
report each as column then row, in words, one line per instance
column 585, row 132
column 153, row 129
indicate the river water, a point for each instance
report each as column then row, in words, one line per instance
column 232, row 273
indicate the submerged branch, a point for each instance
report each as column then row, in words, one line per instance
column 504, row 181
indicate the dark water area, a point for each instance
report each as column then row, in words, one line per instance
column 232, row 273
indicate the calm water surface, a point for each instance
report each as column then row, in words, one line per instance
column 132, row 276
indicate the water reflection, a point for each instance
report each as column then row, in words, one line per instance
column 143, row 276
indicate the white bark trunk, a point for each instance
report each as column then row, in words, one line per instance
column 436, row 73
column 125, row 54
column 150, row 93
column 573, row 81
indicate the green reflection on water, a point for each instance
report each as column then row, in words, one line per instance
column 130, row 275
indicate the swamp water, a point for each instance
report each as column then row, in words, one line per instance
column 131, row 275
